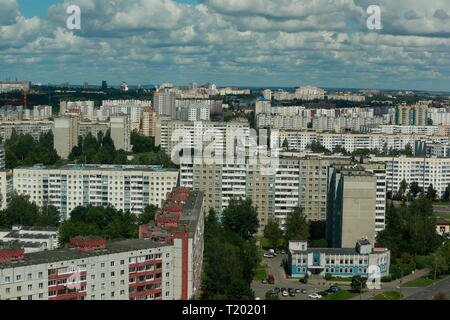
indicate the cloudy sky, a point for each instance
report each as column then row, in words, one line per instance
column 229, row 42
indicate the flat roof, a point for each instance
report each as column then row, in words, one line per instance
column 63, row 254
column 92, row 167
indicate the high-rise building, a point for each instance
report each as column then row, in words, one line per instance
column 2, row 157
column 121, row 132
column 263, row 105
column 164, row 103
column 351, row 206
column 124, row 187
column 411, row 115
column 104, row 85
column 65, row 135
column 148, row 123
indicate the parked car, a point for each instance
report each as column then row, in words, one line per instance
column 298, row 291
column 323, row 293
column 283, row 252
column 257, row 298
column 304, row 291
column 271, row 293
column 292, row 294
column 264, row 281
column 303, row 280
column 291, row 290
column 334, row 289
column 271, row 279
column 283, row 289
column 315, row 296
column 268, row 255
column 277, row 290
column 285, row 294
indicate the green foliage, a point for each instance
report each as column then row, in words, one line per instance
column 358, row 283
column 410, row 229
column 22, row 211
column 297, row 227
column 446, row 195
column 273, row 233
column 241, row 217
column 142, row 144
column 317, row 147
column 154, row 159
column 106, row 222
column 431, row 193
column 147, row 215
column 230, row 261
column 23, row 150
column 100, row 150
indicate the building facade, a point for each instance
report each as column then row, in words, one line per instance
column 124, row 187
column 338, row 262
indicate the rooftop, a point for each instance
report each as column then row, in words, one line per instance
column 91, row 167
column 52, row 256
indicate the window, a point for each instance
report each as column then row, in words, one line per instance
column 41, row 285
column 7, row 279
column 51, row 283
column 8, row 290
column 30, row 287
column 30, row 276
column 19, row 289
column 40, row 275
column 41, row 295
column 112, row 263
column 18, row 277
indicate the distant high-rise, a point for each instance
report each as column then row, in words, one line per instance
column 104, row 85
column 65, row 134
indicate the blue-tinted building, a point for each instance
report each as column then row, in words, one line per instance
column 339, row 262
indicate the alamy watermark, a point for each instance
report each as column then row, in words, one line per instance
column 74, row 20
column 374, row 20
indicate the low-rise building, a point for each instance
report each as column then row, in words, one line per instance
column 32, row 239
column 339, row 262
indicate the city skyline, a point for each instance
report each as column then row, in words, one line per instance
column 284, row 43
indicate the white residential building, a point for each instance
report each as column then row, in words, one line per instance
column 124, row 187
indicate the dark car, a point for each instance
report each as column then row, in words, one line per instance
column 283, row 289
column 304, row 291
column 291, row 294
column 277, row 290
column 290, row 290
column 303, row 280
column 334, row 289
column 323, row 293
column 271, row 293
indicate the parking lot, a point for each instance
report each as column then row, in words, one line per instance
column 274, row 267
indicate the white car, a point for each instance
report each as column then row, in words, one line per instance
column 315, row 296
column 285, row 293
column 268, row 255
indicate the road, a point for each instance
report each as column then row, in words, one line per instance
column 429, row 292
column 260, row 289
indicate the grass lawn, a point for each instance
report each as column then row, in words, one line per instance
column 260, row 273
column 388, row 295
column 442, row 215
column 423, row 282
column 440, row 203
column 340, row 295
column 347, row 279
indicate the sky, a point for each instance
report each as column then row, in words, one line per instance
column 258, row 43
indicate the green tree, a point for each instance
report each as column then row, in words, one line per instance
column 446, row 195
column 403, row 187
column 273, row 233
column 147, row 215
column 297, row 227
column 414, row 189
column 431, row 193
column 241, row 217
column 358, row 283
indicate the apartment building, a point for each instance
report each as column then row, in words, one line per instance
column 67, row 130
column 196, row 134
column 424, row 171
column 339, row 262
column 124, row 187
column 299, row 141
column 351, row 206
column 379, row 171
column 298, row 181
column 90, row 270
column 6, row 187
column 148, row 123
column 34, row 128
column 182, row 216
column 411, row 115
column 2, row 157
